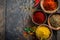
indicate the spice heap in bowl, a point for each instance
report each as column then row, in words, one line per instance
column 38, row 17
column 43, row 32
column 54, row 21
column 49, row 6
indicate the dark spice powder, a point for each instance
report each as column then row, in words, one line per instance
column 39, row 17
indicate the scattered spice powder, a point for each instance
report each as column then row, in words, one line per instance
column 39, row 17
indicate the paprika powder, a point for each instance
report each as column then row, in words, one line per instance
column 50, row 5
column 39, row 17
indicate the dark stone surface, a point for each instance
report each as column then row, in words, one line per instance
column 2, row 20
column 17, row 15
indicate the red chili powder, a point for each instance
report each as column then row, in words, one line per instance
column 36, row 2
column 50, row 5
column 39, row 17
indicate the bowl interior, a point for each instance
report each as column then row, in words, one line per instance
column 49, row 22
column 42, row 13
column 47, row 11
column 49, row 29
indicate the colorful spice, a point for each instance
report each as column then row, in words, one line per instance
column 36, row 2
column 42, row 32
column 39, row 17
column 55, row 20
column 29, row 30
column 25, row 34
column 50, row 5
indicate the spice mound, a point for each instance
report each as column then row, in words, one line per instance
column 43, row 32
column 39, row 17
column 49, row 5
column 55, row 20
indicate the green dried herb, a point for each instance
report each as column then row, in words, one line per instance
column 55, row 21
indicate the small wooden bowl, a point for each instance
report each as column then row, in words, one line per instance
column 58, row 28
column 41, row 4
column 51, row 33
column 37, row 23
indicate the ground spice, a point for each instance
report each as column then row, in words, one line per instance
column 55, row 20
column 50, row 5
column 39, row 17
column 43, row 32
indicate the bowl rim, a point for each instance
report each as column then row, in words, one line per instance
column 48, row 11
column 51, row 32
column 50, row 24
column 37, row 23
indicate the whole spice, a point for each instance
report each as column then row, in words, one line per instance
column 29, row 30
column 39, row 17
column 36, row 2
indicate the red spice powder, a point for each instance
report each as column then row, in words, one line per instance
column 50, row 5
column 39, row 17
column 36, row 2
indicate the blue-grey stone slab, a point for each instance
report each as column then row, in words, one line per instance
column 17, row 17
column 2, row 20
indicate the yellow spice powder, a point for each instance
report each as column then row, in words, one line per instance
column 42, row 32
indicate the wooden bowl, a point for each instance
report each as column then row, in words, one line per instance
column 52, row 27
column 53, row 11
column 36, row 22
column 51, row 33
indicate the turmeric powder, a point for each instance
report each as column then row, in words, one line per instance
column 42, row 32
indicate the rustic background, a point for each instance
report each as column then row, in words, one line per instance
column 2, row 20
column 14, row 16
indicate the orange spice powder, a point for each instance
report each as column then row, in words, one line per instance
column 50, row 5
